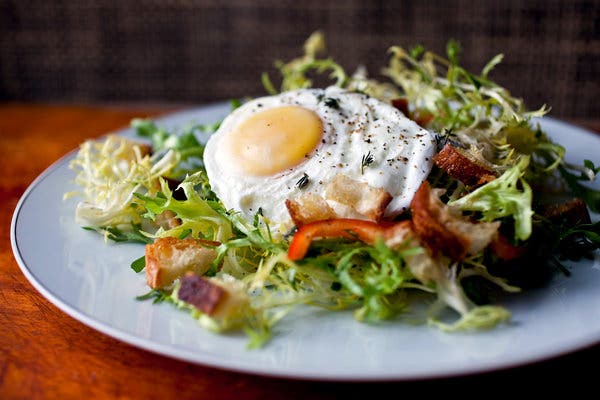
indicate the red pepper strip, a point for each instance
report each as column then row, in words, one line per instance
column 422, row 117
column 402, row 105
column 504, row 250
column 366, row 231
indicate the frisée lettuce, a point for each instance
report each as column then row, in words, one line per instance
column 132, row 191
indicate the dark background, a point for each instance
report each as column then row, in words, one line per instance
column 195, row 52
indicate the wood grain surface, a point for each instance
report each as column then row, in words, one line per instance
column 46, row 354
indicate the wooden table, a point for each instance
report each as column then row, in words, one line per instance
column 46, row 354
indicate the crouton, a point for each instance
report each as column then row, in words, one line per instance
column 167, row 220
column 570, row 213
column 308, row 208
column 444, row 231
column 168, row 258
column 462, row 166
column 362, row 198
column 344, row 198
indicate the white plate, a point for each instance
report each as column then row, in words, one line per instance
column 91, row 280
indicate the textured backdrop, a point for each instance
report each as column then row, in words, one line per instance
column 195, row 52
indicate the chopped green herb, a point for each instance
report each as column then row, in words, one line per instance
column 139, row 264
column 303, row 181
column 367, row 160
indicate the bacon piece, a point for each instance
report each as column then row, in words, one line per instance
column 200, row 292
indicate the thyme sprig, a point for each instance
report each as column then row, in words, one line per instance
column 367, row 160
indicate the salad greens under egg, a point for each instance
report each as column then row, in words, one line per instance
column 256, row 273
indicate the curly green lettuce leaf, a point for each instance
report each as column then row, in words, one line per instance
column 376, row 274
column 451, row 294
column 199, row 217
column 295, row 73
column 478, row 318
column 111, row 173
column 506, row 196
column 184, row 143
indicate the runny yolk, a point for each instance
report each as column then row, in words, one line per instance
column 273, row 140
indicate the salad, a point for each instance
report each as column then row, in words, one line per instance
column 431, row 185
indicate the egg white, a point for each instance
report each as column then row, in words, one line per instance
column 355, row 126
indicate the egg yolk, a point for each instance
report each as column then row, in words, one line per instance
column 273, row 140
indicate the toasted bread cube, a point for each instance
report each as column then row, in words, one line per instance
column 167, row 220
column 233, row 307
column 308, row 208
column 444, row 231
column 168, row 258
column 364, row 199
column 569, row 213
column 462, row 166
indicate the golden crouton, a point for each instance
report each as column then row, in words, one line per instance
column 168, row 258
column 308, row 208
column 167, row 220
column 462, row 166
column 366, row 200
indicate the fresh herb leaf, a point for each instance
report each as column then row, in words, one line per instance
column 139, row 264
column 453, row 50
column 303, row 181
column 122, row 236
column 332, row 102
column 235, row 103
column 157, row 296
column 367, row 160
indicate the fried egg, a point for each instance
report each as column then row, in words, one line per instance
column 274, row 148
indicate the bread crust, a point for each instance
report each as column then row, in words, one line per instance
column 462, row 166
column 446, row 232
